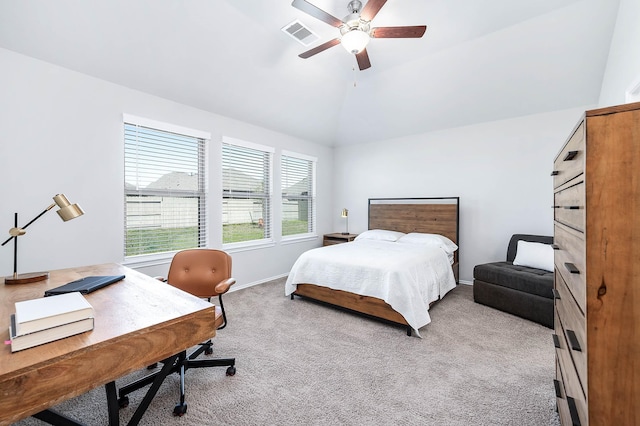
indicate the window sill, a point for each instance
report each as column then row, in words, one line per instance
column 146, row 260
column 237, row 247
column 299, row 239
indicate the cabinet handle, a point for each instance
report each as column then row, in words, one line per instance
column 573, row 341
column 571, row 268
column 555, row 246
column 570, row 155
column 567, row 207
column 556, row 294
column 556, row 341
column 555, row 173
column 573, row 410
column 556, row 384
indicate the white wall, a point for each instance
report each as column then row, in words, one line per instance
column 500, row 170
column 623, row 64
column 61, row 132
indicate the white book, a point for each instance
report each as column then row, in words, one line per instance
column 47, row 312
column 25, row 341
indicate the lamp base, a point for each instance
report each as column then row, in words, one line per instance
column 344, row 233
column 30, row 277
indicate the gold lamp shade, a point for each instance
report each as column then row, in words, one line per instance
column 67, row 210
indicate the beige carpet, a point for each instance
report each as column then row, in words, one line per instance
column 302, row 363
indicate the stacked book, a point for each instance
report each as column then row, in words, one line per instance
column 44, row 320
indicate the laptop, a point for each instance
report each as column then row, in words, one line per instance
column 85, row 285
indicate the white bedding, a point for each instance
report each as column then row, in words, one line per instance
column 406, row 276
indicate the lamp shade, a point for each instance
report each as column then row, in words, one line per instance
column 345, row 213
column 355, row 41
column 67, row 210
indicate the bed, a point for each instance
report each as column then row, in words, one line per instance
column 364, row 275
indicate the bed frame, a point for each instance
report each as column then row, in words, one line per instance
column 427, row 215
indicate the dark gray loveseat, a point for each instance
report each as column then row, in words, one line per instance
column 518, row 290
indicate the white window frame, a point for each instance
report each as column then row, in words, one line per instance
column 268, row 241
column 205, row 137
column 313, row 232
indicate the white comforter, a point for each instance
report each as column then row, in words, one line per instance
column 406, row 276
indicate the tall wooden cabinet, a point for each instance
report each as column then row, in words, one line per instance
column 597, row 269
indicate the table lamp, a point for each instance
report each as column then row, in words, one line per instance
column 345, row 214
column 66, row 212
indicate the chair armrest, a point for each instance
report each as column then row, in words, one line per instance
column 163, row 279
column 223, row 286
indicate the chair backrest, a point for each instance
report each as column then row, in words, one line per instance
column 198, row 271
column 513, row 243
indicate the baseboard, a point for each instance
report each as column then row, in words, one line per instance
column 465, row 282
column 237, row 287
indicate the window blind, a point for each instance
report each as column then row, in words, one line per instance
column 298, row 194
column 165, row 191
column 246, row 187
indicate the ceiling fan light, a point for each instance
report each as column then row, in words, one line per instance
column 355, row 41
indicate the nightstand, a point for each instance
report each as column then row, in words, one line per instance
column 337, row 238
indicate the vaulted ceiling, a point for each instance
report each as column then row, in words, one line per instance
column 480, row 60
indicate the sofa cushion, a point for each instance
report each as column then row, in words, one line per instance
column 534, row 255
column 522, row 278
column 513, row 243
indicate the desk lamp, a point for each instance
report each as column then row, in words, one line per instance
column 66, row 212
column 345, row 214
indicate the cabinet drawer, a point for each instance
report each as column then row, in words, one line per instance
column 569, row 258
column 568, row 412
column 561, row 397
column 568, row 203
column 570, row 161
column 574, row 329
column 574, row 396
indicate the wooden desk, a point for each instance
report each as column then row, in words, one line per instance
column 138, row 321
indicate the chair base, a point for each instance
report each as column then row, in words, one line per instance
column 181, row 364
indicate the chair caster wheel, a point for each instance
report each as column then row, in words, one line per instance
column 179, row 410
column 123, row 401
column 208, row 351
column 231, row 371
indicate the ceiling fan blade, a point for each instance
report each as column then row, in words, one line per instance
column 415, row 31
column 318, row 49
column 371, row 9
column 317, row 13
column 363, row 60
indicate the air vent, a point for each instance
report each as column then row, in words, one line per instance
column 300, row 32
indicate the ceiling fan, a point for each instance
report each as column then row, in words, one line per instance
column 356, row 29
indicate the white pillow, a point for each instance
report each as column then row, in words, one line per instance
column 380, row 235
column 534, row 255
column 430, row 240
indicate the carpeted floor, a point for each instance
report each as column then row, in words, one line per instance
column 302, row 363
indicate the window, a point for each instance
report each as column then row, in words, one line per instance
column 298, row 194
column 165, row 187
column 246, row 192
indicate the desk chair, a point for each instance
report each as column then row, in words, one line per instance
column 204, row 273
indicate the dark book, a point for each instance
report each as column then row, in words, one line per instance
column 85, row 285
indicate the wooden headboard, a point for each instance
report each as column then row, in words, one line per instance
column 427, row 215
